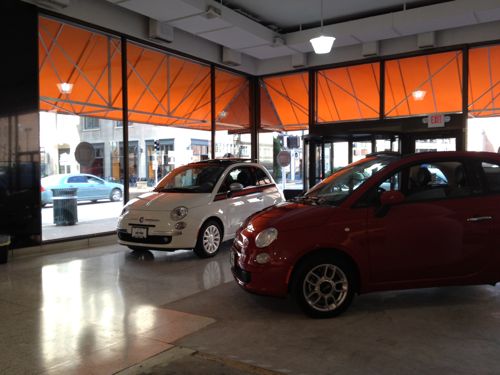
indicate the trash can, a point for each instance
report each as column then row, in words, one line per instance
column 4, row 247
column 65, row 206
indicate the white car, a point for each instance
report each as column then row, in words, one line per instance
column 197, row 206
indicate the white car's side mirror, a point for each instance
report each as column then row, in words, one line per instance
column 235, row 186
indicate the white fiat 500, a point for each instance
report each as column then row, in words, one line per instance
column 197, row 206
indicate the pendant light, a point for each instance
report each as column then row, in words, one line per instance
column 322, row 44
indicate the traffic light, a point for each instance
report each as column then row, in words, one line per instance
column 157, row 145
column 292, row 142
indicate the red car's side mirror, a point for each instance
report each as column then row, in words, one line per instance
column 389, row 198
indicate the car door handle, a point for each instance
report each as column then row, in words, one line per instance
column 479, row 218
column 260, row 197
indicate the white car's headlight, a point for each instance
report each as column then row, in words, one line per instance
column 125, row 210
column 266, row 237
column 178, row 213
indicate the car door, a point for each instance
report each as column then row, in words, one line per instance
column 80, row 182
column 268, row 189
column 238, row 205
column 487, row 214
column 97, row 188
column 429, row 235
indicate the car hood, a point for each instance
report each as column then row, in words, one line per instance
column 167, row 201
column 292, row 216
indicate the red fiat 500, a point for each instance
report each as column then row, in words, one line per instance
column 384, row 222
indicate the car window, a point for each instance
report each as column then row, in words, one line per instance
column 242, row 175
column 194, row 178
column 345, row 181
column 426, row 181
column 95, row 180
column 492, row 176
column 77, row 179
column 261, row 177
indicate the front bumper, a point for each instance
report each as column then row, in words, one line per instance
column 263, row 279
column 157, row 234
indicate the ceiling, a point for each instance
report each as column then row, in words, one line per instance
column 268, row 29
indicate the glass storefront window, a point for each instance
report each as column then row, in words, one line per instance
column 423, row 85
column 80, row 102
column 232, row 116
column 284, row 105
column 169, row 114
column 483, row 125
column 348, row 93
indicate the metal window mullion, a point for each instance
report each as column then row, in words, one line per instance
column 430, row 82
column 213, row 125
column 124, row 62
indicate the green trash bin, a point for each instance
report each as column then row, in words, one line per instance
column 4, row 247
column 65, row 206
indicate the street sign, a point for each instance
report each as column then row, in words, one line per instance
column 284, row 158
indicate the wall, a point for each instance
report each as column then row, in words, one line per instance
column 19, row 132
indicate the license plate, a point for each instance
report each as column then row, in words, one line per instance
column 232, row 259
column 139, row 232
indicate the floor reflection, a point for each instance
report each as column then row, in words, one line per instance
column 92, row 304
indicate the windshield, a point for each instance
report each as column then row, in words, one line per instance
column 342, row 183
column 191, row 179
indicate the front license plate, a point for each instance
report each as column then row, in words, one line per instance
column 139, row 232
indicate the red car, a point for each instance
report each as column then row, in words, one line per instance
column 385, row 222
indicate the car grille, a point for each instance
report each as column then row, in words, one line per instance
column 153, row 240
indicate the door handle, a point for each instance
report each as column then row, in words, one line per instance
column 260, row 197
column 479, row 218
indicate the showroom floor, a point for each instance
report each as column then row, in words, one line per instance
column 106, row 310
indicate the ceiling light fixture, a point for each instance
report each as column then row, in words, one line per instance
column 418, row 95
column 322, row 44
column 65, row 88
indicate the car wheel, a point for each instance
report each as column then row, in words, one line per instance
column 324, row 286
column 116, row 195
column 209, row 239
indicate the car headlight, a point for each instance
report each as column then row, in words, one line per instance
column 125, row 210
column 178, row 213
column 266, row 237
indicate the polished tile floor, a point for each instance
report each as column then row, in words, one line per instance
column 97, row 311
column 107, row 310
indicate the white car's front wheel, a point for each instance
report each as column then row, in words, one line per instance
column 209, row 239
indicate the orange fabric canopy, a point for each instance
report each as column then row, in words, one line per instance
column 168, row 90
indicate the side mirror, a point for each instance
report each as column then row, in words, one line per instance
column 234, row 187
column 389, row 198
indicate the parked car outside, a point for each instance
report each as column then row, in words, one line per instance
column 385, row 222
column 90, row 187
column 197, row 206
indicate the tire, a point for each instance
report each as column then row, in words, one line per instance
column 116, row 195
column 324, row 285
column 209, row 239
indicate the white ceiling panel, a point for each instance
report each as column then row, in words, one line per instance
column 372, row 29
column 488, row 15
column 200, row 24
column 242, row 25
column 438, row 17
column 268, row 52
column 234, row 38
column 165, row 10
